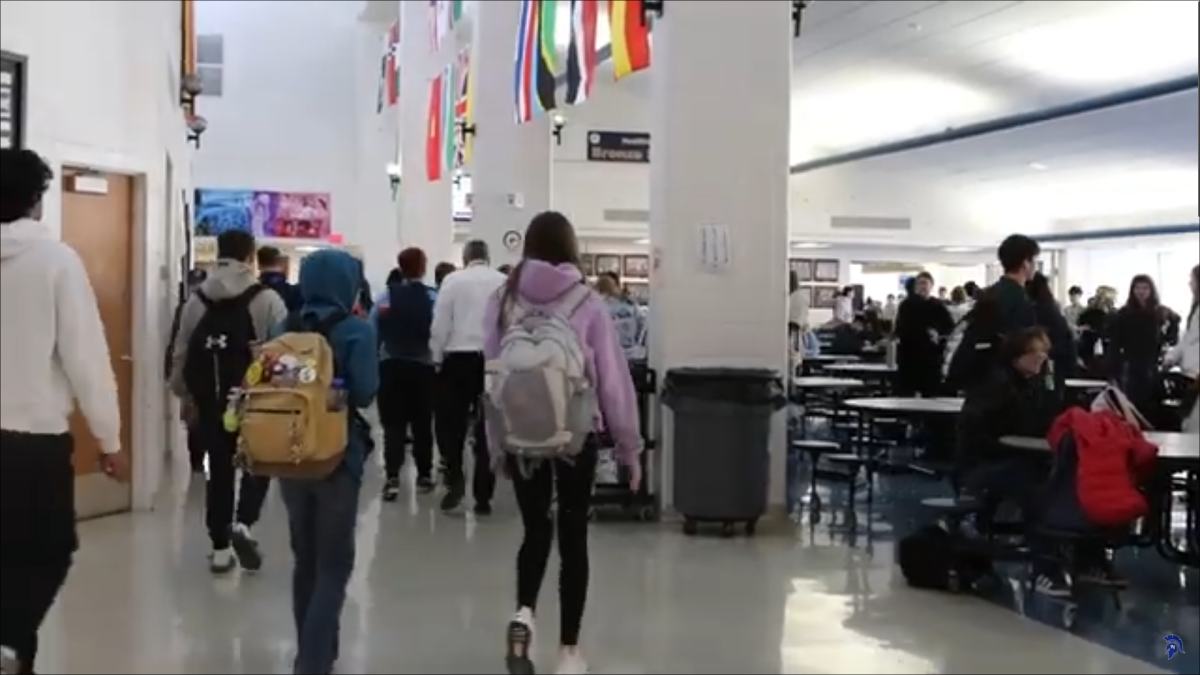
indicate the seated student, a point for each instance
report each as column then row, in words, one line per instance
column 323, row 514
column 1015, row 399
column 849, row 338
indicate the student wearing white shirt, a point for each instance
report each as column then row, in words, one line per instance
column 54, row 355
column 843, row 309
column 456, row 344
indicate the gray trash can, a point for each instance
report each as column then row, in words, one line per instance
column 721, row 443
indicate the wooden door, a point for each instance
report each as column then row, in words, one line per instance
column 99, row 224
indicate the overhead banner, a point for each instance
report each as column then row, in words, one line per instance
column 630, row 147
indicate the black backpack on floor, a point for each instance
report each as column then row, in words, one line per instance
column 220, row 349
column 934, row 559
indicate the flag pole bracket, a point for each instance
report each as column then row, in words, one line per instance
column 652, row 8
column 798, row 7
column 464, row 129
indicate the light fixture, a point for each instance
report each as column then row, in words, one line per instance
column 642, row 242
column 808, row 245
column 189, row 88
column 1038, row 166
column 393, row 174
column 959, row 249
column 558, row 120
column 196, row 125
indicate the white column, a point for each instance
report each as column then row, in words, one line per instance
column 720, row 120
column 426, row 216
column 376, row 229
column 511, row 164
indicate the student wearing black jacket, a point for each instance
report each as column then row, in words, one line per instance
column 1138, row 340
column 922, row 324
column 273, row 273
column 1063, row 352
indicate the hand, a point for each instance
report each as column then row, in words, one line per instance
column 635, row 475
column 116, row 466
column 500, row 467
column 187, row 411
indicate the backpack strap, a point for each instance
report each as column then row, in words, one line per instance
column 300, row 323
column 573, row 300
column 204, row 299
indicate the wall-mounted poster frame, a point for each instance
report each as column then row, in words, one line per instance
column 635, row 266
column 826, row 271
column 14, row 88
column 802, row 268
column 824, row 297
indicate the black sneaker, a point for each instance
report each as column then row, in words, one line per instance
column 520, row 639
column 1052, row 585
column 391, row 490
column 483, row 508
column 425, row 484
column 453, row 499
column 246, row 548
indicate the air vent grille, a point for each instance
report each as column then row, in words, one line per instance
column 869, row 223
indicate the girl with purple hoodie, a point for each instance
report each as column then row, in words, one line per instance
column 548, row 270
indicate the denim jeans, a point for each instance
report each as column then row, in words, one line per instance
column 322, row 517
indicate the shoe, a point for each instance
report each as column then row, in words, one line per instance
column 570, row 662
column 453, row 499
column 391, row 490
column 483, row 508
column 520, row 643
column 221, row 561
column 1052, row 585
column 246, row 548
column 425, row 484
column 9, row 665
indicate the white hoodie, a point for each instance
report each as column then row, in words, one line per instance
column 52, row 346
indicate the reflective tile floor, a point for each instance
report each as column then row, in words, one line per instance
column 432, row 594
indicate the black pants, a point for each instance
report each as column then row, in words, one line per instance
column 37, row 511
column 535, row 494
column 406, row 406
column 460, row 386
column 923, row 378
column 195, row 447
column 223, row 491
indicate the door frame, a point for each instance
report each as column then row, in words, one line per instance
column 151, row 396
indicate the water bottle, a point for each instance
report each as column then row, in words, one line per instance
column 8, row 661
column 338, row 397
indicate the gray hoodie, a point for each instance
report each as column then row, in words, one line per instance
column 228, row 279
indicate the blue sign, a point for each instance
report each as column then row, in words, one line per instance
column 631, row 147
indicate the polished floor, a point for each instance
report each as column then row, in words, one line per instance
column 432, row 594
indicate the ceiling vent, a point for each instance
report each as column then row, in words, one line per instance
column 868, row 223
column 626, row 215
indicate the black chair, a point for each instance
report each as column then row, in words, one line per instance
column 815, row 449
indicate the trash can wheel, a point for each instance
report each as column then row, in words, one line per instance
column 690, row 527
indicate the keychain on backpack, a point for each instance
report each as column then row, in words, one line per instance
column 231, row 419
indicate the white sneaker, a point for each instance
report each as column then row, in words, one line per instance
column 571, row 662
column 222, row 561
column 518, row 660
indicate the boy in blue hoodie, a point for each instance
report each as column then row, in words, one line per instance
column 322, row 515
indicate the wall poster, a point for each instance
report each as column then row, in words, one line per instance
column 13, row 89
column 263, row 213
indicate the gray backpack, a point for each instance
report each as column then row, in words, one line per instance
column 538, row 402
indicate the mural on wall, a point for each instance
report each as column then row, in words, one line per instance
column 285, row 215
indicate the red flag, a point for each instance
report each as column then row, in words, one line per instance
column 393, row 64
column 433, row 135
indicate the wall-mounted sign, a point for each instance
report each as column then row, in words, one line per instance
column 13, row 71
column 618, row 146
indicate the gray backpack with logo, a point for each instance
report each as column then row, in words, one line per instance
column 538, row 402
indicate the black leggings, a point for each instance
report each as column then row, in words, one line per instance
column 535, row 495
column 406, row 407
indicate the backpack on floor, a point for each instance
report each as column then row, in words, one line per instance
column 293, row 414
column 220, row 348
column 538, row 402
column 406, row 323
column 935, row 559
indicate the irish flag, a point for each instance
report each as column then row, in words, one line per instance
column 581, row 52
column 630, row 37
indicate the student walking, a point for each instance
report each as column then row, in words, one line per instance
column 219, row 325
column 54, row 356
column 574, row 326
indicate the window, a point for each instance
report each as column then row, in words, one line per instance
column 210, row 63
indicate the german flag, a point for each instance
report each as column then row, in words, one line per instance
column 630, row 37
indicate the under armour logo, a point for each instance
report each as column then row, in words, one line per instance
column 213, row 342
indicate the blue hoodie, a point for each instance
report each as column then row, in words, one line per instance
column 330, row 282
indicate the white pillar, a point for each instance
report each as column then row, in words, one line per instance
column 426, row 216
column 511, row 163
column 720, row 127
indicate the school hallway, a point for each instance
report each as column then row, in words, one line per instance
column 433, row 594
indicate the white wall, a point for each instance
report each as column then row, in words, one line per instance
column 104, row 94
column 1114, row 262
column 299, row 87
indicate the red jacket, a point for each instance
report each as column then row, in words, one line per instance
column 1112, row 456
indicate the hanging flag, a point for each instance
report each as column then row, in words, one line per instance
column 534, row 76
column 462, row 107
column 581, row 53
column 433, row 134
column 630, row 37
column 449, row 118
column 456, row 12
column 445, row 22
column 468, row 107
column 431, row 17
column 389, row 69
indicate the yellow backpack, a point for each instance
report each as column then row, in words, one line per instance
column 291, row 413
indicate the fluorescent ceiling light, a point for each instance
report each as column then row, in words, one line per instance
column 1129, row 42
column 643, row 242
column 959, row 249
column 1092, row 193
column 808, row 245
column 1038, row 166
column 308, row 249
column 880, row 107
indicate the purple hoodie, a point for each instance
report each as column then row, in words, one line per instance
column 541, row 285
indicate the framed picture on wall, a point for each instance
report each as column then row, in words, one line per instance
column 636, row 266
column 587, row 265
column 14, row 70
column 826, row 271
column 639, row 292
column 802, row 268
column 608, row 264
column 824, row 297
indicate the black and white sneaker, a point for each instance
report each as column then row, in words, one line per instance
column 520, row 643
column 1052, row 585
column 246, row 548
column 391, row 490
column 483, row 508
column 425, row 485
column 222, row 561
column 453, row 500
